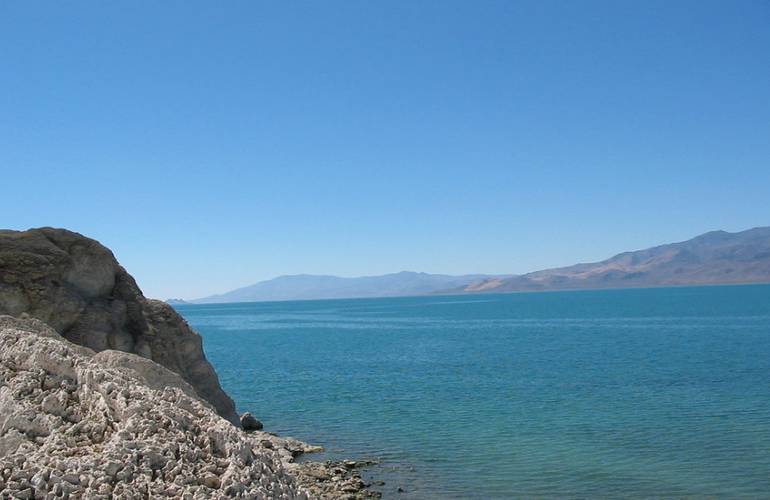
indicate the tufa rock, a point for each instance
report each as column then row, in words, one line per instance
column 75, row 285
column 114, row 437
column 76, row 424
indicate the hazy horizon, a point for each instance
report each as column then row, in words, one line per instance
column 449, row 274
column 212, row 148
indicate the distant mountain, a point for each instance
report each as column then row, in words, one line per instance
column 713, row 258
column 176, row 302
column 306, row 286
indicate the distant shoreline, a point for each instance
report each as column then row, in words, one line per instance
column 713, row 258
column 474, row 294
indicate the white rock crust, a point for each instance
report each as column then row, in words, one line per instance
column 74, row 427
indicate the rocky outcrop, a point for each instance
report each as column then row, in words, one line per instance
column 78, row 424
column 70, row 426
column 75, row 285
column 106, row 394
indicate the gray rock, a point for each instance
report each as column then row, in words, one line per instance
column 75, row 285
column 333, row 480
column 152, row 374
column 211, row 481
column 250, row 423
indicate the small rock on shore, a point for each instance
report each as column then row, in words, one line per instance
column 250, row 423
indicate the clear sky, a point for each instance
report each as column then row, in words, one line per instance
column 215, row 144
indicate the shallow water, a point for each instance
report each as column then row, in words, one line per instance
column 632, row 393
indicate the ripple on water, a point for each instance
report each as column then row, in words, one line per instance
column 626, row 393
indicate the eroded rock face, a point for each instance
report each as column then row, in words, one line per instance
column 75, row 285
column 71, row 426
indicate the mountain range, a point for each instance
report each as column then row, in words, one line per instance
column 717, row 257
column 308, row 286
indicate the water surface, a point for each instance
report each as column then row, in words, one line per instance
column 633, row 393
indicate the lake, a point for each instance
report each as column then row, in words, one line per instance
column 634, row 393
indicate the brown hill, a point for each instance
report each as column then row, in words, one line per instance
column 713, row 258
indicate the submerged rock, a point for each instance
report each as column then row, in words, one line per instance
column 250, row 423
column 335, row 479
column 75, row 285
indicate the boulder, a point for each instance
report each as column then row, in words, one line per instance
column 249, row 423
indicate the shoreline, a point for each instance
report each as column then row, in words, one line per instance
column 82, row 424
column 105, row 393
column 328, row 479
column 478, row 294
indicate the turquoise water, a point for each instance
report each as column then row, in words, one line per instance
column 622, row 393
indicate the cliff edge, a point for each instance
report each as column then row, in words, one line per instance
column 76, row 286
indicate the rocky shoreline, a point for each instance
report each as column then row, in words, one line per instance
column 106, row 394
column 335, row 479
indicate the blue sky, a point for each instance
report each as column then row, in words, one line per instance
column 215, row 144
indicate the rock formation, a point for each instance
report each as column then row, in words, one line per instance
column 77, row 424
column 76, row 286
column 70, row 426
column 115, row 398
